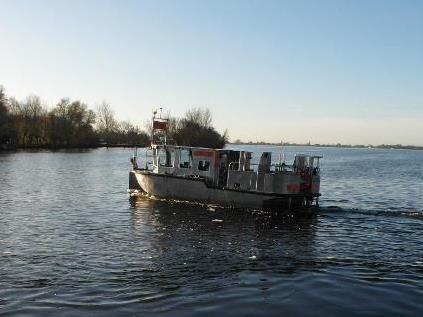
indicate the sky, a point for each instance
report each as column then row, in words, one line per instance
column 337, row 71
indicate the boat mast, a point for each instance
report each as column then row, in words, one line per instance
column 159, row 124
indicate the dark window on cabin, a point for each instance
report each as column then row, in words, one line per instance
column 161, row 157
column 166, row 158
column 170, row 158
column 203, row 165
column 185, row 159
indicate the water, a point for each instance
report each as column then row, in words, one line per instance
column 72, row 243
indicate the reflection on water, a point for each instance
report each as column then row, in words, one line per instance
column 213, row 241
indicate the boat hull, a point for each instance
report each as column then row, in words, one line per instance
column 197, row 190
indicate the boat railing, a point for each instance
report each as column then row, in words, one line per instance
column 232, row 168
column 277, row 168
column 282, row 167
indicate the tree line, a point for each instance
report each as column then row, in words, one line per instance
column 68, row 124
column 71, row 124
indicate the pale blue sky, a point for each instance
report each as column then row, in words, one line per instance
column 325, row 71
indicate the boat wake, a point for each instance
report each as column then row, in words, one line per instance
column 390, row 212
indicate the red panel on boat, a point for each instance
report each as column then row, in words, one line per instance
column 203, row 153
column 160, row 125
column 293, row 188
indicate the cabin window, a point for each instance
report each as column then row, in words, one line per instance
column 204, row 165
column 185, row 158
column 161, row 157
column 170, row 158
column 165, row 158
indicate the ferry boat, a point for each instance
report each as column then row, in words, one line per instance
column 225, row 177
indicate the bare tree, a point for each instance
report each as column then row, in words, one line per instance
column 106, row 122
column 33, row 106
column 3, row 99
column 3, row 116
column 200, row 116
column 3, row 104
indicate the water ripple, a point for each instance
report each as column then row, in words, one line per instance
column 73, row 243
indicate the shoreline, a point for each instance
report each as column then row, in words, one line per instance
column 45, row 147
column 343, row 146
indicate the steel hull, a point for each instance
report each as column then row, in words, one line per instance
column 195, row 189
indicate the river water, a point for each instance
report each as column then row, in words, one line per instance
column 73, row 243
